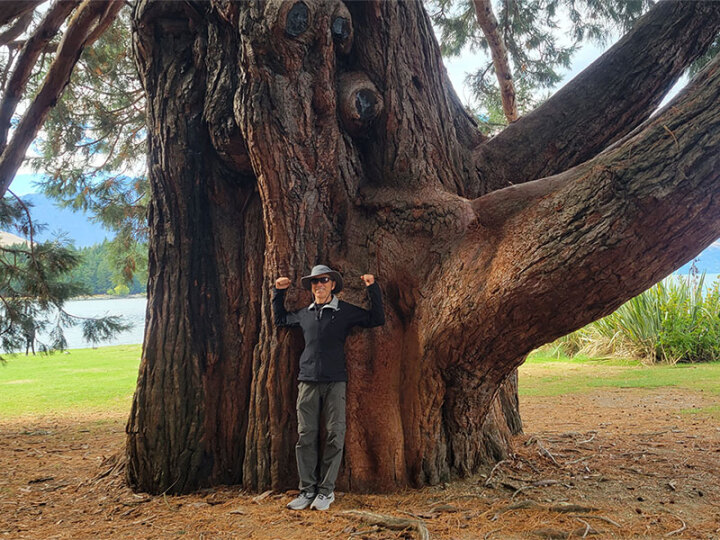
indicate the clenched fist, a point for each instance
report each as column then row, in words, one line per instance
column 369, row 279
column 282, row 283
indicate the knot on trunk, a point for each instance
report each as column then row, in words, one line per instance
column 289, row 22
column 297, row 19
column 341, row 29
column 360, row 102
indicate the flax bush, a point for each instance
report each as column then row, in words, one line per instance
column 677, row 320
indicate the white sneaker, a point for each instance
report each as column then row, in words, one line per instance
column 322, row 502
column 302, row 501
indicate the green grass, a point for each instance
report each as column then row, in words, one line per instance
column 546, row 375
column 103, row 380
column 79, row 381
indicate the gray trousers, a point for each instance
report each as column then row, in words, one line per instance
column 318, row 474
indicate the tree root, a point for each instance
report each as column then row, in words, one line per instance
column 562, row 508
column 492, row 472
column 390, row 522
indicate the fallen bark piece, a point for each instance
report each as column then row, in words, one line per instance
column 570, row 508
column 41, row 480
column 555, row 534
column 240, row 511
column 263, row 496
column 444, row 508
column 390, row 522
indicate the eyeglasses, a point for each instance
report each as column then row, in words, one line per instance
column 317, row 280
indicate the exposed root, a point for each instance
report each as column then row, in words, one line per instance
column 492, row 472
column 537, row 484
column 113, row 466
column 543, row 451
column 561, row 508
column 390, row 522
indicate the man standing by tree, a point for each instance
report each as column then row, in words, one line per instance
column 323, row 375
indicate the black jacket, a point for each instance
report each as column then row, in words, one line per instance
column 323, row 359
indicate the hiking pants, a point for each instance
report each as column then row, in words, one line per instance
column 318, row 474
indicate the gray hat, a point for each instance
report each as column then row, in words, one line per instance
column 319, row 270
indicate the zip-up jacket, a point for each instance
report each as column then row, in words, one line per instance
column 325, row 329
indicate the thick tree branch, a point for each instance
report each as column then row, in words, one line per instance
column 92, row 18
column 31, row 51
column 604, row 102
column 567, row 250
column 16, row 29
column 611, row 227
column 13, row 9
column 489, row 25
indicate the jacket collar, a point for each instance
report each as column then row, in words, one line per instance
column 332, row 304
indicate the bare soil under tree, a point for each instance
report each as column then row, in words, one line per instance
column 632, row 462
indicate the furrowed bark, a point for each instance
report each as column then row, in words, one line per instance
column 189, row 417
column 91, row 20
column 415, row 143
column 29, row 54
column 489, row 25
column 606, row 101
column 311, row 171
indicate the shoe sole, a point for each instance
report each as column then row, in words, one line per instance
column 322, row 509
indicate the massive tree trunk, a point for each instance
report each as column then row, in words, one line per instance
column 283, row 135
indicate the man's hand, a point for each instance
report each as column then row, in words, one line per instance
column 369, row 279
column 283, row 283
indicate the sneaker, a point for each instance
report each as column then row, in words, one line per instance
column 302, row 501
column 322, row 502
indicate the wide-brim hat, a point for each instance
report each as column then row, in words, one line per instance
column 320, row 270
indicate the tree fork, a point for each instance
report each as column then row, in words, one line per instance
column 603, row 103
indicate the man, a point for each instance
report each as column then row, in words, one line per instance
column 323, row 376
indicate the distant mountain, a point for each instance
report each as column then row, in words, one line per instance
column 708, row 261
column 76, row 226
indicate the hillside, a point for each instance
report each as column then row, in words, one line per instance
column 76, row 226
column 10, row 239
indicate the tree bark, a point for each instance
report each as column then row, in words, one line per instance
column 287, row 134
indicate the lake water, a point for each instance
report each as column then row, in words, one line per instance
column 132, row 309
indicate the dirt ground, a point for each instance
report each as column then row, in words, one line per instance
column 622, row 463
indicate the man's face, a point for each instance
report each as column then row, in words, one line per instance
column 322, row 287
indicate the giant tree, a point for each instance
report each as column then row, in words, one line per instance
column 284, row 134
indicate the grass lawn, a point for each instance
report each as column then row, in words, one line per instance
column 544, row 374
column 78, row 381
column 103, row 379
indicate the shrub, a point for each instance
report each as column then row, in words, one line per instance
column 676, row 320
